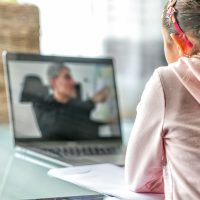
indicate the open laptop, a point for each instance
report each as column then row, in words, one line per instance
column 83, row 130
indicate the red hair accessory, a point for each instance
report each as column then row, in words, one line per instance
column 170, row 15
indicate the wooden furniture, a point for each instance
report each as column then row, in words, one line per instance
column 19, row 32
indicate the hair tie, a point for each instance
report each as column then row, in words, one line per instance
column 172, row 19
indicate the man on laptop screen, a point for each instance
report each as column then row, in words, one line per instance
column 63, row 114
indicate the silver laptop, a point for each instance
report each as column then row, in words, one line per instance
column 64, row 110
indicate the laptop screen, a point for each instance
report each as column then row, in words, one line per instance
column 62, row 98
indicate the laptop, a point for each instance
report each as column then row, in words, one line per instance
column 64, row 110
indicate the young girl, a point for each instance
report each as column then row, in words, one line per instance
column 163, row 154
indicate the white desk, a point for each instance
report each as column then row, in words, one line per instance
column 20, row 179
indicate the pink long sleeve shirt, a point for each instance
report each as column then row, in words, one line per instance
column 163, row 153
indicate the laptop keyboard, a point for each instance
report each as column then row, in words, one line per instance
column 81, row 151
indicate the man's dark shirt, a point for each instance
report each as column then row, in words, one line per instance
column 66, row 121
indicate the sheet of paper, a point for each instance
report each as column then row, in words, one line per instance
column 103, row 178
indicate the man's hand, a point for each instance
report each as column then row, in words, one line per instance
column 100, row 96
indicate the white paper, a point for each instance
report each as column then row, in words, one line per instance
column 103, row 178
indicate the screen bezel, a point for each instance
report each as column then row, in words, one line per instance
column 8, row 56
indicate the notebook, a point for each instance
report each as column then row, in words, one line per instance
column 104, row 178
column 64, row 109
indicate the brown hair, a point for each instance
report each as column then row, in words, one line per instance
column 188, row 17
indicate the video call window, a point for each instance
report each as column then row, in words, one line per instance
column 89, row 109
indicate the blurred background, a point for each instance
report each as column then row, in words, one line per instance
column 129, row 31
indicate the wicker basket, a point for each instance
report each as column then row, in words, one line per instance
column 19, row 32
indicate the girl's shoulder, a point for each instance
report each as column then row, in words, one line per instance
column 181, row 78
column 166, row 76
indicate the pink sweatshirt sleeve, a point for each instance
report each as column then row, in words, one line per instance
column 144, row 158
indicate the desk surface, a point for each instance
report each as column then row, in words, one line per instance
column 20, row 179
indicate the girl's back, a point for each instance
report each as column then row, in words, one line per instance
column 181, row 129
